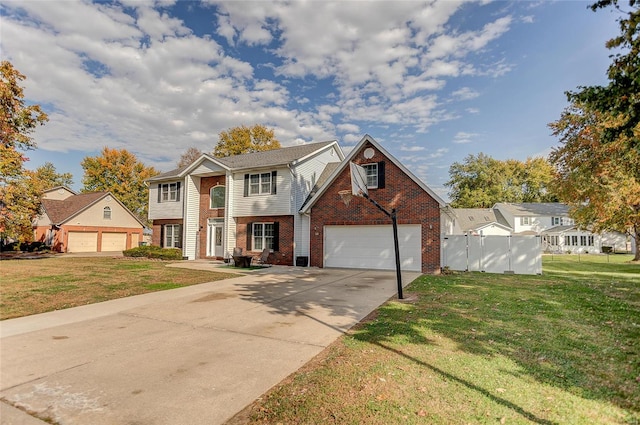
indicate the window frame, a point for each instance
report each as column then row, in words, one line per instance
column 262, row 237
column 525, row 221
column 211, row 197
column 556, row 221
column 372, row 175
column 176, row 241
column 169, row 192
column 106, row 213
column 260, row 184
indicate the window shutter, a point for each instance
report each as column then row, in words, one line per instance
column 276, row 236
column 274, row 174
column 246, row 185
column 178, row 192
column 162, row 236
column 159, row 192
column 381, row 176
column 249, row 233
column 179, row 232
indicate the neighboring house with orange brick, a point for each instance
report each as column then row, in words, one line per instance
column 287, row 201
column 86, row 222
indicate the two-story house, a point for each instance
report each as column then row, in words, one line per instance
column 287, row 201
column 558, row 230
column 249, row 201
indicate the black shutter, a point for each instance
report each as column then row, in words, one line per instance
column 276, row 236
column 381, row 175
column 179, row 235
column 178, row 192
column 159, row 192
column 274, row 175
column 249, row 234
column 162, row 235
column 246, row 185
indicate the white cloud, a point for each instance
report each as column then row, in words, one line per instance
column 405, row 148
column 463, row 137
column 465, row 93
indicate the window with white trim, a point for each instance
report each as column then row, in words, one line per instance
column 555, row 221
column 259, row 184
column 169, row 192
column 525, row 221
column 106, row 213
column 172, row 236
column 217, row 197
column 372, row 175
column 262, row 236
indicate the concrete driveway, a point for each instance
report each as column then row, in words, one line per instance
column 194, row 355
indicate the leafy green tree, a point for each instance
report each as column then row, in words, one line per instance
column 19, row 203
column 189, row 156
column 118, row 171
column 243, row 139
column 46, row 177
column 597, row 162
column 482, row 181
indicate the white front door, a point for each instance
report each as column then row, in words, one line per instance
column 215, row 238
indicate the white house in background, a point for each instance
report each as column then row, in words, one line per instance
column 479, row 221
column 559, row 234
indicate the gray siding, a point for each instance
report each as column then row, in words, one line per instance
column 165, row 210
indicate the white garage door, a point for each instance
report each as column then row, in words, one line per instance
column 82, row 242
column 371, row 247
column 114, row 241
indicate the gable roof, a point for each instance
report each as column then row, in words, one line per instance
column 271, row 158
column 367, row 138
column 474, row 218
column 535, row 209
column 61, row 211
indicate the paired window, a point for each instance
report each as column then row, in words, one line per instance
column 260, row 184
column 106, row 213
column 169, row 192
column 172, row 236
column 586, row 240
column 216, row 195
column 571, row 240
column 552, row 240
column 375, row 175
column 263, row 235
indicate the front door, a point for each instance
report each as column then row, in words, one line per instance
column 215, row 238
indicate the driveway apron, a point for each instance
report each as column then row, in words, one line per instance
column 194, row 355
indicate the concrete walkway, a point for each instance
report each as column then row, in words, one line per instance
column 194, row 355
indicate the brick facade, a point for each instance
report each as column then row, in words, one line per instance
column 413, row 205
column 284, row 256
column 156, row 237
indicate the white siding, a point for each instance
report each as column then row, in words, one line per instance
column 278, row 204
column 305, row 176
column 165, row 210
column 230, row 223
column 191, row 219
column 206, row 168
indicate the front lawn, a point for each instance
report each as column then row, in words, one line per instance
column 469, row 348
column 40, row 285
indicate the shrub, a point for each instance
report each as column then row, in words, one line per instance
column 151, row 251
column 607, row 249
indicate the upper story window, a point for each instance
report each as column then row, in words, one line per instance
column 555, row 221
column 525, row 221
column 106, row 213
column 375, row 175
column 217, row 197
column 169, row 192
column 260, row 184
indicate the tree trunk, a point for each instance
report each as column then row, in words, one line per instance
column 636, row 236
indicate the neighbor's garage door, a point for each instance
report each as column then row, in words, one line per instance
column 371, row 247
column 114, row 241
column 82, row 242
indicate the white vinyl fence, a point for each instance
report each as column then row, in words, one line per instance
column 493, row 254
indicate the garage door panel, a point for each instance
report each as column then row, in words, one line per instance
column 114, row 242
column 82, row 242
column 371, row 247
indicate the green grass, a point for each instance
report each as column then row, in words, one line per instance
column 561, row 348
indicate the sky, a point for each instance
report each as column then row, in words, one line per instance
column 432, row 82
